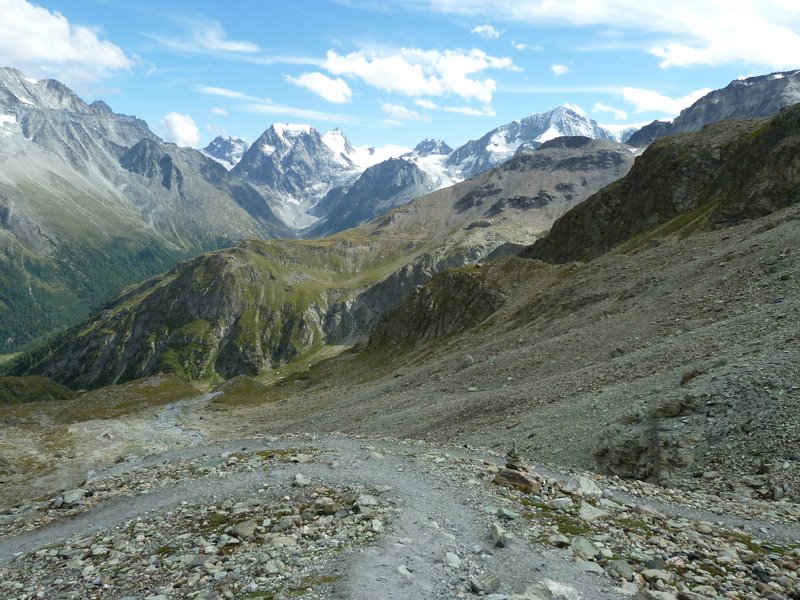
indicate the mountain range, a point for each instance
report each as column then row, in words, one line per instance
column 92, row 201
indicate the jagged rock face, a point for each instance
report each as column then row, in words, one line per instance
column 451, row 302
column 226, row 150
column 427, row 147
column 727, row 173
column 500, row 144
column 291, row 159
column 379, row 189
column 753, row 97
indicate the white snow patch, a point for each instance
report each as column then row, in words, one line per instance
column 336, row 141
column 293, row 129
column 367, row 156
column 500, row 148
column 268, row 150
column 777, row 76
column 25, row 101
column 32, row 80
column 551, row 134
column 434, row 166
column 576, row 109
column 12, row 119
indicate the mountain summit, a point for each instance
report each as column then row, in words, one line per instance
column 501, row 143
column 226, row 150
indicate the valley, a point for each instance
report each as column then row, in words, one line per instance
column 571, row 375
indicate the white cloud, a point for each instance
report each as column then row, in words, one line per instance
column 652, row 101
column 210, row 90
column 299, row 113
column 206, row 37
column 219, row 111
column 618, row 113
column 559, row 69
column 522, row 47
column 180, row 129
column 398, row 112
column 44, row 43
column 332, row 90
column 487, row 32
column 416, row 72
column 682, row 32
column 470, row 111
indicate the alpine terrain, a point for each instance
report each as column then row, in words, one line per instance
column 546, row 365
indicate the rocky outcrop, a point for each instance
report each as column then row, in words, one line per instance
column 723, row 175
column 450, row 303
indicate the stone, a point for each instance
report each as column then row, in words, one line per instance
column 582, row 486
column 621, row 568
column 73, row 498
column 589, row 513
column 499, row 535
column 563, row 503
column 487, row 584
column 506, row 514
column 654, row 595
column 583, row 548
column 301, row 480
column 274, row 567
column 245, row 529
column 452, row 560
column 558, row 540
column 517, row 479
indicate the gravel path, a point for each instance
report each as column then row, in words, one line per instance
column 436, row 543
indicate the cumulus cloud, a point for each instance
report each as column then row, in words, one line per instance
column 180, row 129
column 652, row 101
column 45, row 43
column 682, row 32
column 487, row 32
column 618, row 113
column 415, row 72
column 559, row 69
column 332, row 90
column 397, row 112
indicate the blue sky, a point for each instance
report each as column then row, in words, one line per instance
column 393, row 72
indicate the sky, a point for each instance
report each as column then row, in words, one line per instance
column 393, row 72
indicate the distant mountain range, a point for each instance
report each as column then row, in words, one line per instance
column 92, row 201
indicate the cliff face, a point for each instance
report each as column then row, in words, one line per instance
column 725, row 174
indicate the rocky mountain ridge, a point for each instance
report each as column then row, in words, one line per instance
column 727, row 173
column 92, row 201
column 259, row 305
column 745, row 98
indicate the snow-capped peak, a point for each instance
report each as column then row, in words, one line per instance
column 291, row 129
column 336, row 140
column 226, row 150
column 430, row 146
